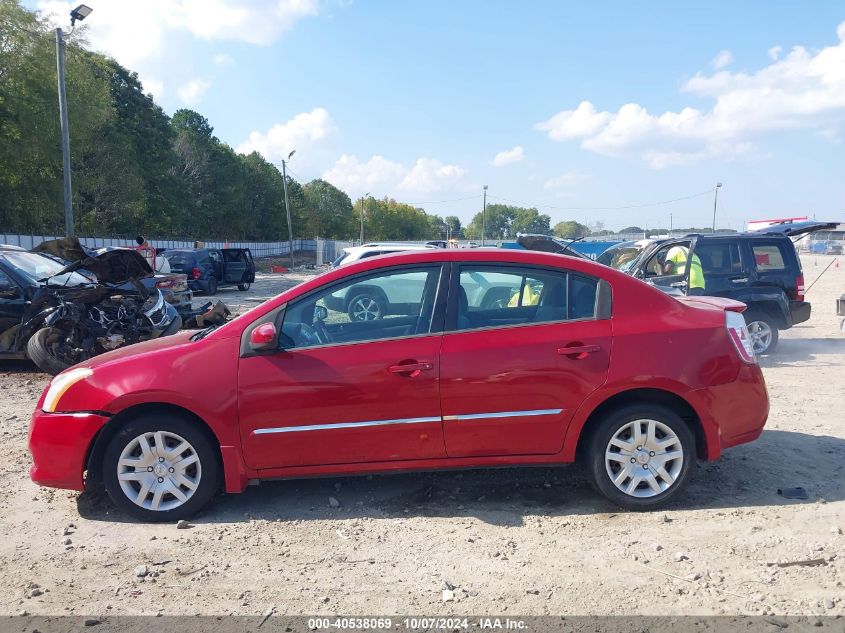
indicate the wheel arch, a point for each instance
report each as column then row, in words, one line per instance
column 94, row 457
column 661, row 397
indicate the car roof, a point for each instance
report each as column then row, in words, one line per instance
column 10, row 247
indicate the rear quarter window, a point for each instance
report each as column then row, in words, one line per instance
column 769, row 257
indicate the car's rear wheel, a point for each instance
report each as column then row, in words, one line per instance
column 763, row 332
column 211, row 286
column 160, row 467
column 243, row 287
column 365, row 307
column 641, row 456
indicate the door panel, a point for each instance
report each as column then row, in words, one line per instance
column 518, row 377
column 372, row 413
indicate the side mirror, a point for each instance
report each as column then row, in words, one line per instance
column 320, row 313
column 263, row 337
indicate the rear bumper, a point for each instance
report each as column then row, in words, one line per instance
column 733, row 413
column 800, row 311
column 58, row 443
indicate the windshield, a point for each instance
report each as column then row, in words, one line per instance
column 36, row 266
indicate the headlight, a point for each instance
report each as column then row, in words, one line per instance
column 61, row 384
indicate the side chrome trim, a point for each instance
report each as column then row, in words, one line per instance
column 344, row 425
column 502, row 414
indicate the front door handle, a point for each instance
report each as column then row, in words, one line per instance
column 412, row 369
column 740, row 281
column 578, row 352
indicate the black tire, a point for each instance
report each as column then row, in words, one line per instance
column 187, row 429
column 39, row 351
column 762, row 320
column 244, row 286
column 211, row 285
column 599, row 470
column 366, row 306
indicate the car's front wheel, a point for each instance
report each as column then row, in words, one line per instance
column 161, row 468
column 641, row 456
column 365, row 307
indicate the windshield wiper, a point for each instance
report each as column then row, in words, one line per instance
column 203, row 333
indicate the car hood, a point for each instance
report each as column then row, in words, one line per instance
column 792, row 229
column 110, row 265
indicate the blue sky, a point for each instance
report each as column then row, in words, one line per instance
column 428, row 101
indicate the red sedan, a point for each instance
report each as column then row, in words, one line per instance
column 421, row 360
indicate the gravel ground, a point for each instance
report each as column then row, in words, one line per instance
column 512, row 541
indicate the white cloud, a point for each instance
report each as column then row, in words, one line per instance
column 192, row 92
column 774, row 52
column 302, row 132
column 722, row 60
column 508, row 157
column 134, row 30
column 800, row 91
column 381, row 176
column 222, row 59
column 565, row 180
column 375, row 175
column 154, row 86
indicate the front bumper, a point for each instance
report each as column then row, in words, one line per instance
column 59, row 443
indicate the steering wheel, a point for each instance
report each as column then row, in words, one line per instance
column 307, row 336
column 321, row 332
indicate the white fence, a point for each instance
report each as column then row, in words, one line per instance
column 325, row 250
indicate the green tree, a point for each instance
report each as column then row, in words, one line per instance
column 329, row 212
column 571, row 230
column 503, row 222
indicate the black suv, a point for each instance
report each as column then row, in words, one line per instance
column 208, row 268
column 759, row 268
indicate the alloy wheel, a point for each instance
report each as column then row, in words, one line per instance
column 761, row 336
column 159, row 471
column 644, row 458
column 365, row 309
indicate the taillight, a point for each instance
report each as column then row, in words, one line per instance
column 196, row 273
column 738, row 333
column 165, row 283
column 799, row 286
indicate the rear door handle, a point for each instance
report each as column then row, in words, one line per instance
column 578, row 350
column 411, row 370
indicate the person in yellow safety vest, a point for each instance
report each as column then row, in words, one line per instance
column 676, row 264
column 529, row 297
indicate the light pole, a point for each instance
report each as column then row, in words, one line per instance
column 79, row 13
column 483, row 213
column 362, row 217
column 715, row 202
column 287, row 205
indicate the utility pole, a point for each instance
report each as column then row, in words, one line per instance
column 287, row 206
column 79, row 13
column 362, row 217
column 60, row 72
column 483, row 214
column 715, row 202
column 670, row 225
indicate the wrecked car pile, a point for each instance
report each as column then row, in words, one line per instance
column 59, row 313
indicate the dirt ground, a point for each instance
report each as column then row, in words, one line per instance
column 519, row 541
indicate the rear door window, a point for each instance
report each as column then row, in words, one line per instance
column 493, row 296
column 769, row 257
column 719, row 257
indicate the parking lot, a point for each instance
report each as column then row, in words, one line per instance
column 523, row 541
